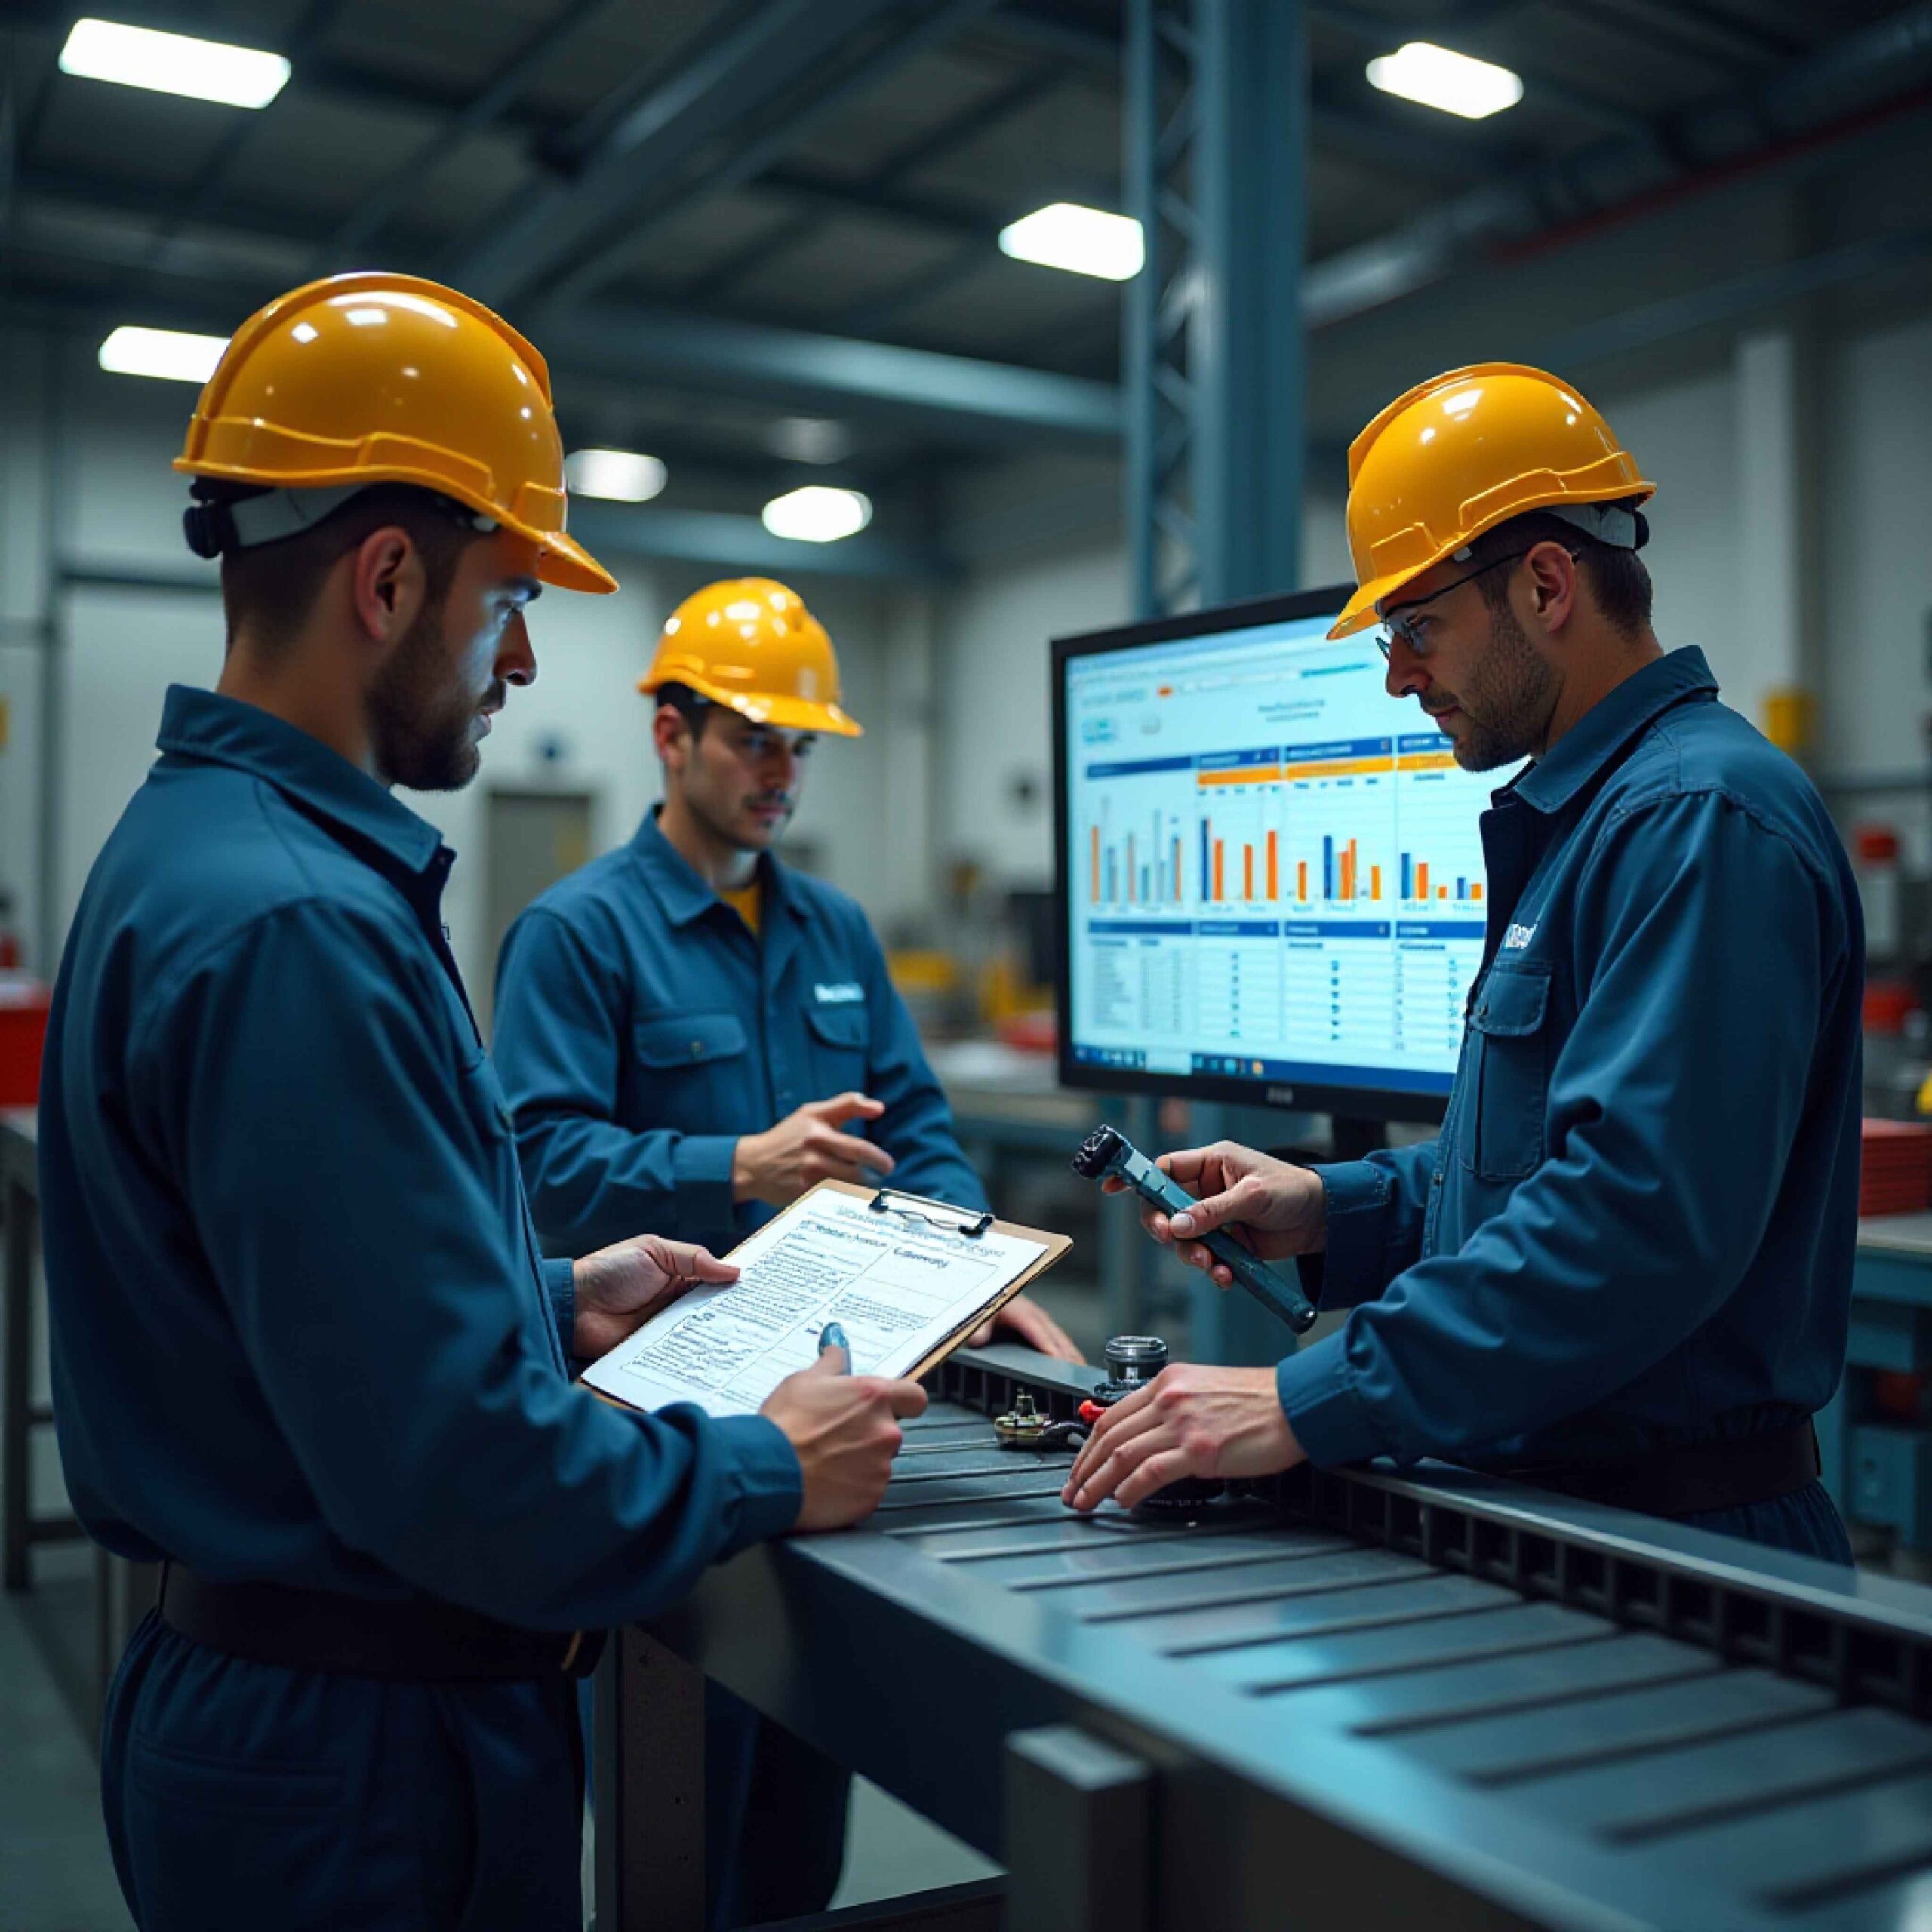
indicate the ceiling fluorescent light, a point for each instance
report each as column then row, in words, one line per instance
column 1082, row 241
column 621, row 476
column 1437, row 77
column 173, row 64
column 173, row 355
column 817, row 514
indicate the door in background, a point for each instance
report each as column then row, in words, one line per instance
column 531, row 839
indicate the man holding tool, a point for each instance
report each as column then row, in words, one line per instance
column 306, row 1354
column 1622, row 1271
column 692, row 1034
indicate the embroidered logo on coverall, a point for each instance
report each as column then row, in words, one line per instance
column 843, row 993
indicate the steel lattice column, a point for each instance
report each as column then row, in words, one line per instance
column 1216, row 368
column 1216, row 373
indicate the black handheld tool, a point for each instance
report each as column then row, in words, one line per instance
column 1107, row 1152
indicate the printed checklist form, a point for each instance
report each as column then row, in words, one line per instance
column 903, row 1277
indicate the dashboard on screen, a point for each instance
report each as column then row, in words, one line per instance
column 1270, row 871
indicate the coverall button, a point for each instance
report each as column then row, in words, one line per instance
column 697, row 1050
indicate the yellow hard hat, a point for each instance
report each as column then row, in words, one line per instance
column 750, row 644
column 373, row 378
column 1458, row 455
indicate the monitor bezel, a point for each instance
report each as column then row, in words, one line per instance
column 1377, row 1104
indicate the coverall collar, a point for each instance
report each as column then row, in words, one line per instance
column 1596, row 738
column 684, row 895
column 225, row 731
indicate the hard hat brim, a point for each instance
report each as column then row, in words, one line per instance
column 567, row 565
column 789, row 714
column 1359, row 611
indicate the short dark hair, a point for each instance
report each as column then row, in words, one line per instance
column 272, row 588
column 688, row 704
column 1619, row 585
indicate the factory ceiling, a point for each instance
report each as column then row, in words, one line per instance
column 759, row 237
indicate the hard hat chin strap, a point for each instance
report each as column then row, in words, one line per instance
column 215, row 527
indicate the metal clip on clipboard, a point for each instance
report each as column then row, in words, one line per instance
column 934, row 1213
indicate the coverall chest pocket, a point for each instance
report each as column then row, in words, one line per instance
column 839, row 1036
column 693, row 1063
column 1507, row 1066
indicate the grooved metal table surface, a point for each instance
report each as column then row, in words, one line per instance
column 1365, row 1700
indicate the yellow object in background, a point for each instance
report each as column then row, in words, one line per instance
column 913, row 971
column 6, row 721
column 1923, row 1103
column 1789, row 711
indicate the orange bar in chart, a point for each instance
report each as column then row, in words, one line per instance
column 1375, row 881
column 1093, row 872
column 1442, row 892
column 1354, row 872
column 1217, row 892
column 1422, row 880
column 1301, row 880
column 1475, row 890
column 1247, row 871
column 1273, row 865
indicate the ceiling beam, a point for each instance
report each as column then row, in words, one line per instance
column 998, row 105
column 486, row 107
column 962, row 399
column 1878, row 62
column 644, row 158
column 973, row 400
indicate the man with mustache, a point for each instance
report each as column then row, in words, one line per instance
column 1623, row 1269
column 306, row 1353
column 691, row 1035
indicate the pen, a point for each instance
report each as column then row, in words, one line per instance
column 833, row 1336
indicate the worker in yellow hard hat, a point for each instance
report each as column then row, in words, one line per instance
column 691, row 1034
column 307, row 1355
column 1623, row 1270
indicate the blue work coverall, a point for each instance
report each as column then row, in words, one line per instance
column 303, row 1334
column 1635, row 1230
column 642, row 1028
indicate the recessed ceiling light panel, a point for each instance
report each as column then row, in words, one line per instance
column 1082, row 241
column 620, row 476
column 172, row 355
column 1438, row 77
column 817, row 514
column 173, row 64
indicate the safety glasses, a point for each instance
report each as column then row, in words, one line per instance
column 1400, row 621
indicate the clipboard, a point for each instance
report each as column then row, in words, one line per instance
column 892, row 1200
column 961, row 1223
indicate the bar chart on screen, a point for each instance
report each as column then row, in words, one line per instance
column 1268, row 877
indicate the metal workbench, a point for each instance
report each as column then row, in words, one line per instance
column 1364, row 1700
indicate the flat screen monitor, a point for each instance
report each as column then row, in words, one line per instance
column 1269, row 872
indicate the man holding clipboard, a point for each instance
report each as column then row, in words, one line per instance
column 306, row 1352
